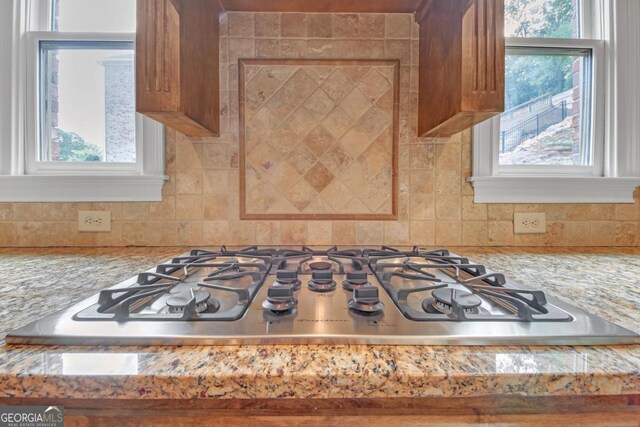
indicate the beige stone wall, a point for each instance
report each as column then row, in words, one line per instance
column 201, row 202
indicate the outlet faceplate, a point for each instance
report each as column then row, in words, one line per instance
column 94, row 221
column 529, row 223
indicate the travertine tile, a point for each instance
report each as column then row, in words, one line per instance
column 164, row 210
column 267, row 25
column 293, row 233
column 360, row 26
column 319, row 25
column 337, row 122
column 216, row 207
column 370, row 233
column 473, row 211
column 8, row 234
column 337, row 85
column 319, row 233
column 343, row 232
column 398, row 26
column 398, row 49
column 202, row 195
column 448, row 233
column 627, row 233
column 422, row 182
column 500, row 233
column 603, row 233
column 497, row 212
column 421, row 156
column 216, row 232
column 189, row 207
column 138, row 211
column 423, row 233
column 267, row 233
column 630, row 212
column 448, row 208
column 189, row 181
column 240, row 24
column 355, row 104
column 555, row 235
column 577, row 233
column 190, row 233
column 603, row 212
column 6, row 212
column 319, row 177
column 397, row 233
column 422, row 206
column 577, row 212
column 474, row 233
column 293, row 25
column 267, row 48
column 319, row 104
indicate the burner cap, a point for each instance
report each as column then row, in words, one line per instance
column 179, row 300
column 443, row 300
column 320, row 265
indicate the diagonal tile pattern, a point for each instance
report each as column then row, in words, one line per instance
column 319, row 139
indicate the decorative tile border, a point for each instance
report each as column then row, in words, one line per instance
column 319, row 139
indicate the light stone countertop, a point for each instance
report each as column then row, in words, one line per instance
column 37, row 282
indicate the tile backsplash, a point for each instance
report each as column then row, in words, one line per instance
column 201, row 202
column 318, row 139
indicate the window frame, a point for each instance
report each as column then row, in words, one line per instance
column 22, row 178
column 603, row 182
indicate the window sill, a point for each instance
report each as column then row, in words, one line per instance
column 553, row 189
column 86, row 188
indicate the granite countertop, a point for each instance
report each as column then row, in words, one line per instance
column 39, row 282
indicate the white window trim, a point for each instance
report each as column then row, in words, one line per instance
column 20, row 179
column 617, row 89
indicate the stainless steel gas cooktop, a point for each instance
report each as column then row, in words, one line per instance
column 330, row 296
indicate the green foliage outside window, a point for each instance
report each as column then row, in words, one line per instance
column 531, row 76
column 74, row 149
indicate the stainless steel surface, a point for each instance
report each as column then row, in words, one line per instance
column 322, row 317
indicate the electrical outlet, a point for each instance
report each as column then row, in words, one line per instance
column 94, row 221
column 530, row 223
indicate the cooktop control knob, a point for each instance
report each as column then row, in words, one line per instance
column 280, row 299
column 322, row 281
column 366, row 300
column 356, row 279
column 288, row 278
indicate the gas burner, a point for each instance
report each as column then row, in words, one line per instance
column 444, row 298
column 280, row 299
column 322, row 281
column 366, row 300
column 356, row 280
column 320, row 266
column 179, row 300
column 288, row 278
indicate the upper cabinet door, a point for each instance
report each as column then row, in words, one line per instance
column 462, row 66
column 177, row 79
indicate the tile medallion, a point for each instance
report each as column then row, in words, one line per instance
column 322, row 133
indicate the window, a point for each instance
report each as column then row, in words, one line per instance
column 74, row 66
column 552, row 137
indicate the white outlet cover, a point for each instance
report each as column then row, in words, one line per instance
column 95, row 221
column 529, row 223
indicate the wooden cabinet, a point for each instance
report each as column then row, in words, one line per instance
column 177, row 79
column 461, row 80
